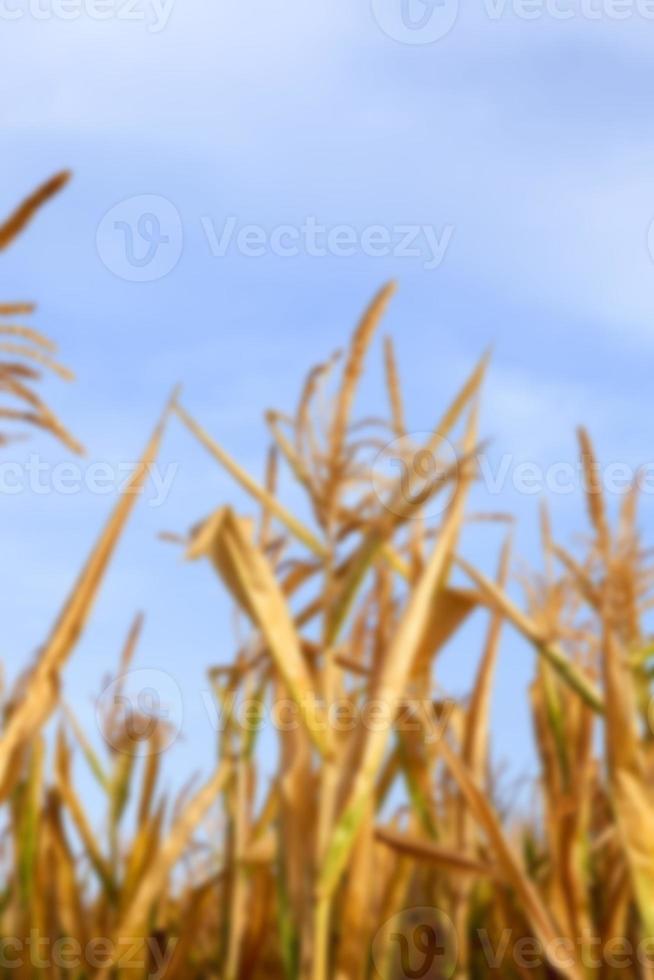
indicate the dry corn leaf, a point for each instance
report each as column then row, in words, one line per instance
column 249, row 577
column 39, row 695
column 21, row 217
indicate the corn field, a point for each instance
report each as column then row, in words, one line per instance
column 380, row 849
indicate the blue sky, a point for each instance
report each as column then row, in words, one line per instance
column 530, row 139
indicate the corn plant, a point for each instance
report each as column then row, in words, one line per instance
column 382, row 846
